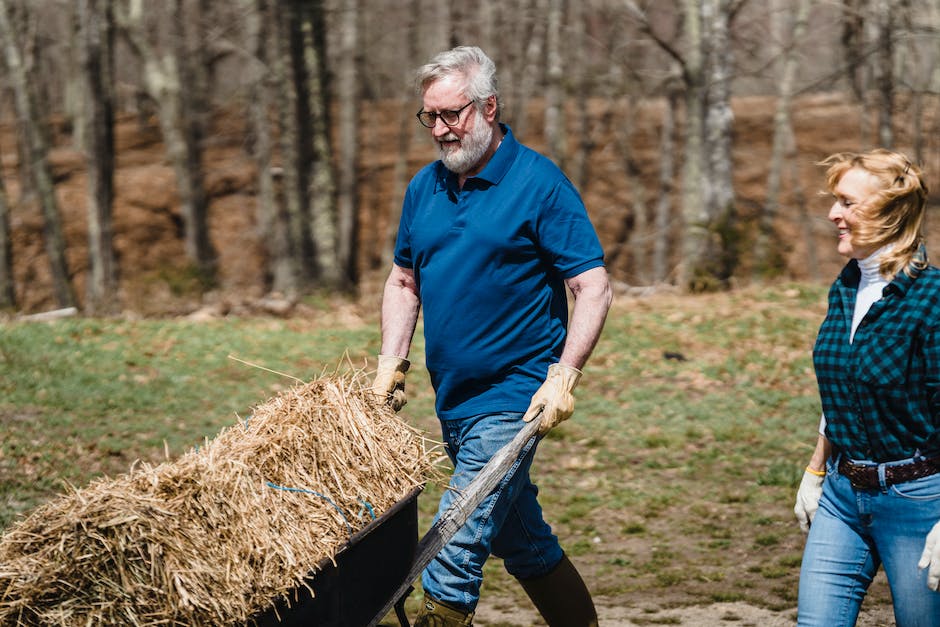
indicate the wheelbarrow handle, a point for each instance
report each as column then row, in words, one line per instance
column 500, row 466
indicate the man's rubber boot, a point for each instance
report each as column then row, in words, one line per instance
column 561, row 597
column 433, row 613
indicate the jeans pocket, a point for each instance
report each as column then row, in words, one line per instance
column 923, row 489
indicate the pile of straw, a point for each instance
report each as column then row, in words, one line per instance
column 221, row 533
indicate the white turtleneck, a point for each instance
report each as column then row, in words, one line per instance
column 871, row 285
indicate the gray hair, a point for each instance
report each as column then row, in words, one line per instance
column 469, row 62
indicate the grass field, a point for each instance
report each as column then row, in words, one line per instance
column 673, row 484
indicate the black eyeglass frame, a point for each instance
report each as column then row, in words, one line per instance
column 442, row 115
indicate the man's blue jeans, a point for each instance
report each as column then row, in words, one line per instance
column 508, row 523
column 855, row 531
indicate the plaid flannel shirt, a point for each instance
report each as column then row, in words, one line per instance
column 881, row 394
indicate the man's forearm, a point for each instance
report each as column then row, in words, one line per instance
column 400, row 306
column 592, row 297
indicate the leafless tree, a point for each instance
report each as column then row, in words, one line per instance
column 7, row 283
column 707, row 259
column 321, row 193
column 176, row 72
column 767, row 252
column 347, row 95
column 96, row 43
column 555, row 90
column 36, row 147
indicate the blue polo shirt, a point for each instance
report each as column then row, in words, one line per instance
column 881, row 393
column 490, row 261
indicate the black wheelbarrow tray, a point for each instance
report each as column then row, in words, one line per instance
column 374, row 570
column 367, row 572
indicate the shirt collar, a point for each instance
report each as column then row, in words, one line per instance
column 851, row 274
column 495, row 169
column 499, row 163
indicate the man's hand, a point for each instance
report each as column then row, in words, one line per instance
column 389, row 383
column 807, row 499
column 931, row 557
column 554, row 397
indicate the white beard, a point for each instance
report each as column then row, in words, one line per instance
column 461, row 158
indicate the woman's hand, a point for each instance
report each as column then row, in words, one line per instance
column 931, row 557
column 807, row 498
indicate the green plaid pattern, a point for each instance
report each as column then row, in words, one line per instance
column 881, row 394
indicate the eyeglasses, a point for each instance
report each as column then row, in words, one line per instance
column 450, row 118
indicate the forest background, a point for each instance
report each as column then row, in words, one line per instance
column 201, row 158
column 163, row 157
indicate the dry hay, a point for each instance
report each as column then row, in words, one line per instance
column 219, row 534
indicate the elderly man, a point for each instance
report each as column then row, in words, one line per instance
column 490, row 237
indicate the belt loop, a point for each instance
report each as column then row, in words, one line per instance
column 882, row 483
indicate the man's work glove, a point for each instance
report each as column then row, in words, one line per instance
column 807, row 499
column 931, row 557
column 554, row 397
column 389, row 383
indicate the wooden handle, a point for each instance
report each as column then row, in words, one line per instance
column 454, row 517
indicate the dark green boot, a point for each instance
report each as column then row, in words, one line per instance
column 433, row 613
column 561, row 597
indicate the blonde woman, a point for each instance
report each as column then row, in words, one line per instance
column 870, row 495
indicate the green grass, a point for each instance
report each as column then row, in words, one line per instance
column 673, row 482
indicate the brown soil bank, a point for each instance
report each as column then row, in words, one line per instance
column 147, row 223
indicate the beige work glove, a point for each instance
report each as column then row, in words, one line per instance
column 807, row 499
column 931, row 557
column 389, row 383
column 554, row 397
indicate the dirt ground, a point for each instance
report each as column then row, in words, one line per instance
column 716, row 615
column 151, row 256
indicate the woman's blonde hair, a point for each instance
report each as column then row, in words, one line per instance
column 892, row 215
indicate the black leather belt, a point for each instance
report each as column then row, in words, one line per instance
column 865, row 476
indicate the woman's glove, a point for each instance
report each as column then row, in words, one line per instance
column 807, row 499
column 389, row 383
column 931, row 557
column 554, row 397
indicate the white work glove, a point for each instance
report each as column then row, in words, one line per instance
column 389, row 383
column 554, row 397
column 807, row 499
column 931, row 557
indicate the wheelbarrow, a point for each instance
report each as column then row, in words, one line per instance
column 374, row 572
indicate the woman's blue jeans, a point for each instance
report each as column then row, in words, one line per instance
column 855, row 531
column 508, row 523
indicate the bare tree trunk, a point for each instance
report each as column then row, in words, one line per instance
column 322, row 190
column 97, row 45
column 193, row 65
column 74, row 97
column 853, row 48
column 884, row 11
column 406, row 126
column 347, row 93
column 294, row 141
column 578, row 171
column 639, row 237
column 695, row 211
column 806, row 219
column 7, row 291
column 554, row 91
column 721, row 256
column 767, row 251
column 176, row 80
column 667, row 166
column 37, row 148
column 529, row 72
column 266, row 77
